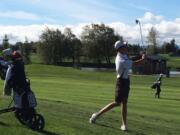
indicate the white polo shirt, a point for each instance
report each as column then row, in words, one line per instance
column 123, row 65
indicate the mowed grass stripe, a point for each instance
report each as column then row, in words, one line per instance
column 67, row 97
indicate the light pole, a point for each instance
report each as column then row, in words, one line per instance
column 138, row 22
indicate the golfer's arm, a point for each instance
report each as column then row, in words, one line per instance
column 138, row 62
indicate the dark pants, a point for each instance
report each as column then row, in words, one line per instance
column 122, row 89
column 157, row 94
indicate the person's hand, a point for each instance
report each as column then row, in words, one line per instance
column 143, row 56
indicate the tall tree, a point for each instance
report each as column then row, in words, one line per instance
column 170, row 47
column 26, row 49
column 50, row 48
column 98, row 41
column 134, row 49
column 152, row 41
column 5, row 42
column 174, row 48
column 72, row 46
column 68, row 47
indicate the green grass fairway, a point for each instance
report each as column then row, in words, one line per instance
column 172, row 61
column 67, row 97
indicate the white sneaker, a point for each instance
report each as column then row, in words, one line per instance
column 93, row 118
column 124, row 128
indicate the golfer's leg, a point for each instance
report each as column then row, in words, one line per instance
column 158, row 94
column 107, row 108
column 124, row 111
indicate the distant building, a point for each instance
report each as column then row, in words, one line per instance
column 153, row 64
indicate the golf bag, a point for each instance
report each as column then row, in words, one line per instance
column 157, row 83
column 23, row 97
column 3, row 68
column 154, row 86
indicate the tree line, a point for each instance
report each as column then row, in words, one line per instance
column 95, row 45
column 26, row 48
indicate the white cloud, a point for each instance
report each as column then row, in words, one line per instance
column 18, row 33
column 19, row 15
column 166, row 30
column 130, row 33
column 177, row 20
column 81, row 10
column 151, row 18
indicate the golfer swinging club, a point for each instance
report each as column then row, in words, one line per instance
column 123, row 64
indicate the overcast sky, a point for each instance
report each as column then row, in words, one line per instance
column 28, row 18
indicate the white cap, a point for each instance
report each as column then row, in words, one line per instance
column 7, row 52
column 119, row 44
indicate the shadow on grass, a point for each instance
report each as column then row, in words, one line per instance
column 127, row 131
column 4, row 124
column 104, row 125
column 44, row 132
column 174, row 99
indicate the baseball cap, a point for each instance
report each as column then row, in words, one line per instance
column 119, row 44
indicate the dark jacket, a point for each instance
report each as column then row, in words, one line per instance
column 19, row 82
